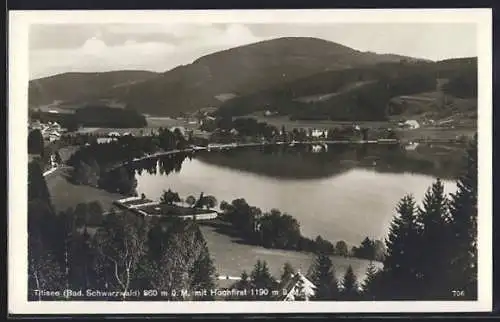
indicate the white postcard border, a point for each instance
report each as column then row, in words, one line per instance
column 19, row 22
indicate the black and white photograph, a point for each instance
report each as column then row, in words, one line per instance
column 264, row 161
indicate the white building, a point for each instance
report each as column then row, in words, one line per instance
column 54, row 135
column 319, row 133
column 411, row 124
column 299, row 288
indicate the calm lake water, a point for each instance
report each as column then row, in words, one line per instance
column 346, row 193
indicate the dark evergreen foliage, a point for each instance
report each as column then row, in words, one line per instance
column 35, row 142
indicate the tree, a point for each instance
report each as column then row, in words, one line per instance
column 379, row 250
column 121, row 243
column 401, row 262
column 80, row 214
column 287, row 274
column 35, row 142
column 44, row 269
column 323, row 277
column 350, row 289
column 364, row 133
column 37, row 187
column 95, row 214
column 225, row 206
column 463, row 206
column 278, row 230
column 366, row 250
column 262, row 279
column 371, row 284
column 94, row 173
column 209, row 202
column 176, row 253
column 323, row 245
column 341, row 248
column 434, row 242
column 169, row 197
column 87, row 172
column 203, row 272
column 191, row 200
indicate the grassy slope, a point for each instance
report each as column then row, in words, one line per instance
column 359, row 91
column 65, row 194
column 232, row 258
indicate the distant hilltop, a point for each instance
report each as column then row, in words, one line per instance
column 223, row 78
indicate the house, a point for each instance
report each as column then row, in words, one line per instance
column 298, row 288
column 319, row 133
column 412, row 146
column 411, row 124
column 54, row 135
column 55, row 126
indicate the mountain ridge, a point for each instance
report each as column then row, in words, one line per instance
column 232, row 72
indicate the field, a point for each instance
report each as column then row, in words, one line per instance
column 154, row 123
column 424, row 132
column 232, row 257
column 279, row 121
column 64, row 194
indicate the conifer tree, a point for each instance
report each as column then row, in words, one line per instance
column 261, row 278
column 35, row 142
column 350, row 285
column 434, row 243
column 287, row 273
column 323, row 277
column 463, row 270
column 400, row 264
column 371, row 284
column 203, row 273
column 37, row 187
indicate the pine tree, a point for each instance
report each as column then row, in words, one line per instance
column 203, row 273
column 350, row 285
column 463, row 270
column 262, row 279
column 371, row 284
column 323, row 276
column 434, row 243
column 35, row 142
column 287, row 273
column 37, row 187
column 400, row 264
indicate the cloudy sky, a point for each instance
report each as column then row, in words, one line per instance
column 63, row 48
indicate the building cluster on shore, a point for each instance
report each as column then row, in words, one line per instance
column 51, row 131
column 149, row 208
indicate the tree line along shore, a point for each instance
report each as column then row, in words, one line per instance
column 132, row 252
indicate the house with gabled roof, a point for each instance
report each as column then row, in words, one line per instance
column 298, row 288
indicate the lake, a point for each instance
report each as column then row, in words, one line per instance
column 339, row 192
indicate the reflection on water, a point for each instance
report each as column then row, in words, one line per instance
column 341, row 193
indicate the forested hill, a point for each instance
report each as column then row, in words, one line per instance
column 79, row 86
column 361, row 93
column 212, row 79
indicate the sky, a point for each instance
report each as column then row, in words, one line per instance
column 60, row 48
